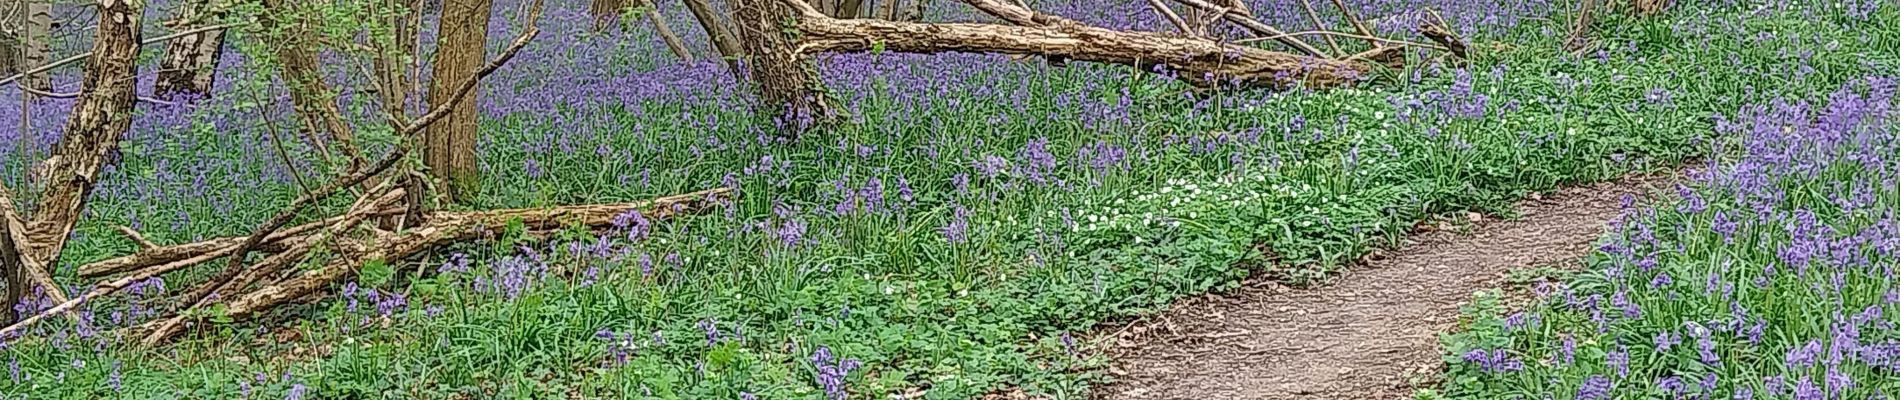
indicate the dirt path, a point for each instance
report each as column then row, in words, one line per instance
column 1370, row 333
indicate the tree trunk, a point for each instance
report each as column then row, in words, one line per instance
column 449, row 151
column 848, row 9
column 102, row 115
column 392, row 67
column 605, row 12
column 9, row 54
column 12, row 269
column 191, row 62
column 887, row 10
column 1197, row 61
column 784, row 77
column 35, row 38
column 290, row 26
column 666, row 34
column 915, row 12
column 718, row 31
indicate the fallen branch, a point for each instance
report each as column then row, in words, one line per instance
column 1375, row 40
column 1436, row 30
column 1168, row 13
column 1317, row 24
column 1200, row 62
column 1354, row 19
column 135, row 236
column 1256, row 26
column 1580, row 29
column 441, row 229
column 358, row 212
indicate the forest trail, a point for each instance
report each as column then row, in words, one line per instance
column 1368, row 333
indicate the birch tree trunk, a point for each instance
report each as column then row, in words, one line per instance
column 191, row 62
column 461, row 49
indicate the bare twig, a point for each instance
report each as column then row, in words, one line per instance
column 1356, row 24
column 72, row 95
column 1168, row 13
column 1436, row 30
column 1317, row 24
column 1256, row 26
column 135, row 236
column 1373, row 39
column 357, row 213
column 83, row 56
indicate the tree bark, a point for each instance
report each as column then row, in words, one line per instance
column 887, row 10
column 672, row 40
column 102, row 115
column 848, row 9
column 783, row 76
column 191, row 62
column 393, row 61
column 718, row 31
column 11, row 266
column 1580, row 27
column 36, row 35
column 9, row 54
column 915, row 12
column 605, row 12
column 461, row 49
column 289, row 26
column 1200, row 62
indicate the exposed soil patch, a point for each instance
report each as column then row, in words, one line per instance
column 1369, row 333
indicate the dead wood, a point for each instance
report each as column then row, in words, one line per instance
column 351, row 252
column 1319, row 25
column 1580, row 29
column 1435, row 29
column 83, row 56
column 240, row 279
column 1357, row 25
column 1256, row 26
column 135, row 236
column 1168, row 13
column 1201, row 62
column 672, row 40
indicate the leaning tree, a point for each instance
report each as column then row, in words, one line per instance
column 781, row 36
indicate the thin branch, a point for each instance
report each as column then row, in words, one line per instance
column 75, row 95
column 1356, row 24
column 135, row 236
column 1162, row 8
column 1257, row 27
column 1373, row 39
column 82, row 56
column 1317, row 24
column 277, row 141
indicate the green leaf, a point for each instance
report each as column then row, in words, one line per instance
column 375, row 273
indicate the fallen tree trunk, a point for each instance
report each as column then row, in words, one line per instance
column 221, row 246
column 351, row 253
column 1200, row 62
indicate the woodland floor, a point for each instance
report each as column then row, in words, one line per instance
column 1368, row 333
